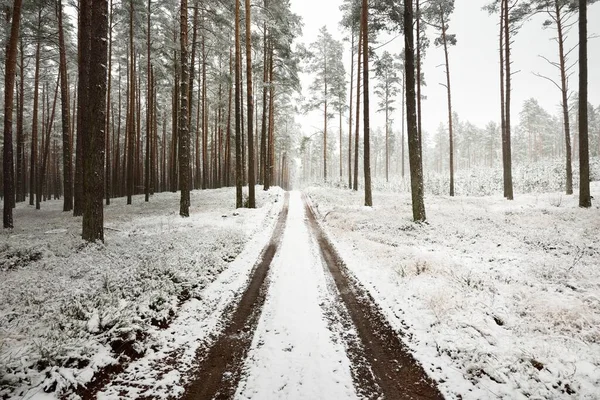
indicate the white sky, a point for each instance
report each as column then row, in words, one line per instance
column 473, row 63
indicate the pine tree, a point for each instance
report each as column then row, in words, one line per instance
column 184, row 133
column 414, row 146
column 325, row 62
column 94, row 139
column 9, row 85
column 250, row 106
column 387, row 88
column 585, row 199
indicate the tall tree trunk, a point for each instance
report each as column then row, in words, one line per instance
column 173, row 176
column 117, row 156
column 243, row 129
column 148, row 106
column 403, row 114
column 138, row 180
column 341, row 141
column 34, row 118
column 250, row 102
column 271, row 134
column 350, row 113
column 419, row 108
column 109, row 130
column 193, row 127
column 358, row 87
column 325, row 115
column 83, row 63
column 66, row 123
column 585, row 200
column 414, row 155
column 502, row 97
column 263, row 128
column 238, row 112
column 507, row 158
column 9, row 92
column 227, row 162
column 131, row 142
column 564, row 98
column 366, row 134
column 192, row 67
column 94, row 142
column 20, row 195
column 43, row 176
column 450, row 133
column 184, row 133
column 387, row 136
column 204, row 114
column 154, row 162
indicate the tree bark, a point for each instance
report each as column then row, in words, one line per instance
column 564, row 98
column 366, row 136
column 263, row 127
column 131, row 142
column 42, row 179
column 585, row 199
column 325, row 114
column 94, row 142
column 250, row 105
column 341, row 144
column 350, row 112
column 358, row 86
column 450, row 127
column 419, row 108
column 184, row 133
column 20, row 173
column 9, row 92
column 271, row 133
column 109, row 130
column 66, row 123
column 387, row 134
column 227, row 162
column 34, row 124
column 238, row 112
column 83, row 63
column 414, row 154
column 507, row 158
column 148, row 106
column 403, row 113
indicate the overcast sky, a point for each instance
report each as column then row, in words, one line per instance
column 474, row 63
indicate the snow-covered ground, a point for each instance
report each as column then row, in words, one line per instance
column 498, row 299
column 67, row 308
column 294, row 354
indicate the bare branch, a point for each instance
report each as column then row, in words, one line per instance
column 553, row 63
column 548, row 79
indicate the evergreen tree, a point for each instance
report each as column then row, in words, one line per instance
column 325, row 62
column 387, row 88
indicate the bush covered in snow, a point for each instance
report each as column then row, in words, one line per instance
column 496, row 298
column 540, row 177
column 543, row 176
column 68, row 308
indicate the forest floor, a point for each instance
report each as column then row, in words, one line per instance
column 308, row 297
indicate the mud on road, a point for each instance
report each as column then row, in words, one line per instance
column 382, row 366
column 221, row 367
column 391, row 371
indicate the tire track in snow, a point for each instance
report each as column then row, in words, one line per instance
column 297, row 352
column 392, row 372
column 220, row 369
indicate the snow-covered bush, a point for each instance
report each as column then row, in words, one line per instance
column 539, row 177
column 69, row 309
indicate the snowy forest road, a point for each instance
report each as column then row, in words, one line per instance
column 221, row 367
column 305, row 329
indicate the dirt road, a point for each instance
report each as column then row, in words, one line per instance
column 305, row 329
